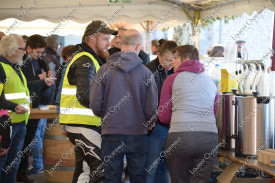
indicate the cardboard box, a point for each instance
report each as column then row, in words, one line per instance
column 260, row 156
column 265, row 157
column 271, row 159
column 228, row 81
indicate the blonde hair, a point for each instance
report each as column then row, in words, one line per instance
column 9, row 44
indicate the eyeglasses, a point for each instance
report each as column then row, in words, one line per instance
column 23, row 49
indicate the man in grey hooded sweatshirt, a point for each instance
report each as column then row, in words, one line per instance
column 119, row 96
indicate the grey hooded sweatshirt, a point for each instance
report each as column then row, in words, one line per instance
column 123, row 96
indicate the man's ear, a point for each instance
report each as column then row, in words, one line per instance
column 29, row 50
column 158, row 55
column 57, row 48
column 92, row 38
column 138, row 47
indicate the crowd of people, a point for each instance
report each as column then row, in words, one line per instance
column 114, row 104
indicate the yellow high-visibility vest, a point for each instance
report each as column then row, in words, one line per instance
column 16, row 91
column 71, row 111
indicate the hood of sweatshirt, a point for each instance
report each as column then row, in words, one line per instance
column 124, row 61
column 191, row 66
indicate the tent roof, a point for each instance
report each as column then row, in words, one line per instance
column 76, row 15
column 87, row 10
column 133, row 11
column 234, row 7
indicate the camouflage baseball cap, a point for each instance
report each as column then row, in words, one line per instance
column 97, row 26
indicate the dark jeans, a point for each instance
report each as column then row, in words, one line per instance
column 190, row 156
column 157, row 172
column 9, row 163
column 135, row 147
column 28, row 144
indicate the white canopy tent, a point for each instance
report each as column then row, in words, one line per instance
column 86, row 10
column 71, row 17
column 131, row 11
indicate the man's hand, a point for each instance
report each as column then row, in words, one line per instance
column 50, row 73
column 42, row 75
column 151, row 127
column 49, row 81
column 64, row 133
column 20, row 109
column 4, row 151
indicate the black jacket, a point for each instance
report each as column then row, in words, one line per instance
column 30, row 75
column 142, row 55
column 159, row 73
column 52, row 57
column 28, row 69
column 81, row 73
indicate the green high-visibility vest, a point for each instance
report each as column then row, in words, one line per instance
column 16, row 91
column 71, row 111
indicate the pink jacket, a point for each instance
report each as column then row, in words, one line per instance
column 165, row 105
column 4, row 112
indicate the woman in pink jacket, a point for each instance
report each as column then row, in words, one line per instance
column 189, row 103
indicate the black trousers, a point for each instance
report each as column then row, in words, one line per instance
column 190, row 156
column 5, row 131
column 87, row 145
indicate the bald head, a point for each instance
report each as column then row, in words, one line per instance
column 131, row 37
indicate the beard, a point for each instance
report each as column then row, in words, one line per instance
column 102, row 53
column 18, row 61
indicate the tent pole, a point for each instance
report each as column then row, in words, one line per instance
column 273, row 46
column 195, row 22
column 148, row 37
column 147, row 30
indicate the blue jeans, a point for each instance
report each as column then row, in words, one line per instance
column 114, row 147
column 157, row 172
column 36, row 151
column 9, row 163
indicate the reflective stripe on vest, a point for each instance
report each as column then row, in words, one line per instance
column 17, row 92
column 11, row 96
column 68, row 91
column 87, row 112
column 71, row 111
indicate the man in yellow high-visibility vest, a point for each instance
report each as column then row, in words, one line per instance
column 81, row 125
column 15, row 98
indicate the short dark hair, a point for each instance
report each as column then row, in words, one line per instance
column 217, row 51
column 68, row 51
column 187, row 51
column 167, row 46
column 162, row 41
column 240, row 42
column 36, row 41
column 155, row 43
column 25, row 37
